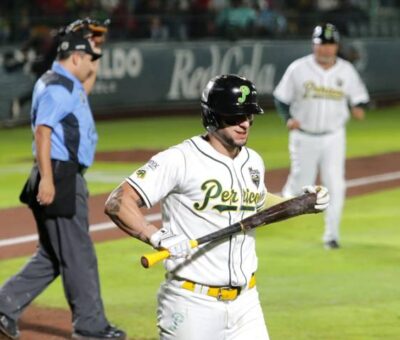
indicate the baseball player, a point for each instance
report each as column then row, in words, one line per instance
column 314, row 97
column 204, row 184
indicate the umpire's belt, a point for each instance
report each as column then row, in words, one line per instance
column 82, row 169
column 57, row 164
column 220, row 293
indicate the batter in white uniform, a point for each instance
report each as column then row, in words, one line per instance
column 314, row 97
column 204, row 184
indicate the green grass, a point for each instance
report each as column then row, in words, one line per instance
column 348, row 294
column 268, row 135
column 306, row 292
column 377, row 134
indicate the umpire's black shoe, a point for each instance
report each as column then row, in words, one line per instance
column 8, row 327
column 109, row 333
column 332, row 245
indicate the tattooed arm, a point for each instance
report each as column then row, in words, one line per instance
column 123, row 207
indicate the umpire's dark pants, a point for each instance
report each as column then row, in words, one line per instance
column 65, row 248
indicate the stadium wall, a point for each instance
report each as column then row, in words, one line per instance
column 136, row 77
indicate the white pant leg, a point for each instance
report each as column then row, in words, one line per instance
column 184, row 315
column 333, row 177
column 246, row 319
column 304, row 153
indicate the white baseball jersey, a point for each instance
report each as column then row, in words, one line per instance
column 203, row 191
column 319, row 98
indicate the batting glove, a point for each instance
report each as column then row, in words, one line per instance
column 177, row 245
column 323, row 198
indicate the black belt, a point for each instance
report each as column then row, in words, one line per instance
column 315, row 133
column 82, row 169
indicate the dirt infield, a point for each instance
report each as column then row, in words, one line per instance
column 363, row 175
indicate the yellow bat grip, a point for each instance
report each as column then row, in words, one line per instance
column 149, row 260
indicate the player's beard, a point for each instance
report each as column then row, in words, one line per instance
column 228, row 141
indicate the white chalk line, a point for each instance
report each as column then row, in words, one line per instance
column 93, row 228
column 351, row 183
column 358, row 182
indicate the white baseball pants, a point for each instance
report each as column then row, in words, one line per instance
column 186, row 315
column 326, row 154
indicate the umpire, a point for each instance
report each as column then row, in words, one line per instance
column 64, row 145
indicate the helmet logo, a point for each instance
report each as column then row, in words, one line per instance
column 245, row 92
column 328, row 32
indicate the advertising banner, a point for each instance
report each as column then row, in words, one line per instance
column 135, row 76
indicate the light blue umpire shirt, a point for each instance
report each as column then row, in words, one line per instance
column 60, row 102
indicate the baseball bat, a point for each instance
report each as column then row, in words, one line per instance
column 296, row 206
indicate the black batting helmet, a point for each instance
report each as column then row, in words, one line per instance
column 228, row 95
column 325, row 34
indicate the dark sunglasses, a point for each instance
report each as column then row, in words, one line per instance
column 95, row 56
column 236, row 120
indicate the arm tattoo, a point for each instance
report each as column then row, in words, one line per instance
column 113, row 208
column 114, row 203
column 140, row 203
column 126, row 228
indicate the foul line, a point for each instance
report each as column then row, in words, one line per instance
column 356, row 182
column 93, row 228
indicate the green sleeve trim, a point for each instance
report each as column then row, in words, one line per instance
column 364, row 106
column 283, row 110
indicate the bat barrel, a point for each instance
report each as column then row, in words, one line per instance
column 220, row 234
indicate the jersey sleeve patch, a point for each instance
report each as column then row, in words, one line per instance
column 159, row 176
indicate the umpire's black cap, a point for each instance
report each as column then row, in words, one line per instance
column 325, row 34
column 76, row 42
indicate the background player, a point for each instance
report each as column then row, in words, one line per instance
column 313, row 97
column 205, row 183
